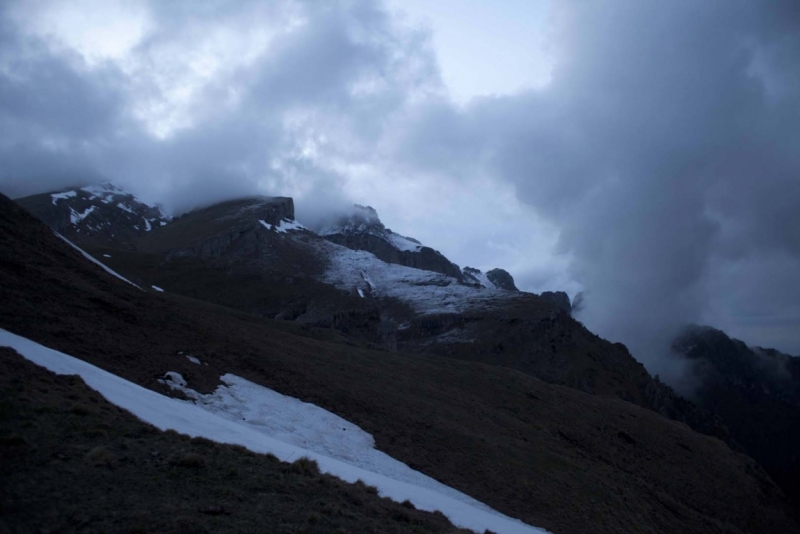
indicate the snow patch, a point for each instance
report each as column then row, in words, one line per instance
column 426, row 292
column 62, row 196
column 287, row 225
column 106, row 256
column 284, row 226
column 123, row 207
column 157, row 289
column 193, row 359
column 211, row 421
column 402, row 243
column 76, row 217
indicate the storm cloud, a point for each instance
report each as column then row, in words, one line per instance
column 658, row 170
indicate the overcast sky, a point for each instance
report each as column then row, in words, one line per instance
column 645, row 151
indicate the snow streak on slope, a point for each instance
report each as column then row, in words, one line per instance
column 403, row 243
column 185, row 417
column 91, row 259
column 426, row 292
column 307, row 426
column 479, row 276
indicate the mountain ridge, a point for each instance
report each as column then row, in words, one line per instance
column 550, row 455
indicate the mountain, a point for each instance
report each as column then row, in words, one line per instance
column 755, row 392
column 362, row 229
column 102, row 214
column 249, row 254
column 550, row 455
column 501, row 279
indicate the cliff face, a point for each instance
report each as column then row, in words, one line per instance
column 237, row 228
column 559, row 298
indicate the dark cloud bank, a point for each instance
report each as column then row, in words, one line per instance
column 666, row 148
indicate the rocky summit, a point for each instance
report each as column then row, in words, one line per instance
column 502, row 279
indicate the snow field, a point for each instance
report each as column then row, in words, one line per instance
column 427, row 292
column 216, row 416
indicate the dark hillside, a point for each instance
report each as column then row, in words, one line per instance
column 64, row 451
column 756, row 392
column 550, row 455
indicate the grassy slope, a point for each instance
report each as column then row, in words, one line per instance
column 72, row 462
column 550, row 455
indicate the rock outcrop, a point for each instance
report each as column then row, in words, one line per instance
column 502, row 279
column 559, row 298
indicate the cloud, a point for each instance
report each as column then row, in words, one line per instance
column 657, row 169
column 214, row 100
column 664, row 152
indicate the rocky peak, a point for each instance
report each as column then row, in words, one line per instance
column 362, row 229
column 559, row 298
column 103, row 213
column 501, row 279
column 360, row 220
column 274, row 210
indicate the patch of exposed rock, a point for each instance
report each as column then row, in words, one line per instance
column 502, row 279
column 559, row 298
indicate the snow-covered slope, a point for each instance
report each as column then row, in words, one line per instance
column 363, row 221
column 104, row 212
column 425, row 291
column 216, row 417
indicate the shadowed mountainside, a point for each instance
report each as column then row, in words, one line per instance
column 755, row 392
column 550, row 455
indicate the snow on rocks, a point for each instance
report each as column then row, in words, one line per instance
column 284, row 226
column 62, row 196
column 76, row 217
column 426, row 292
column 216, row 421
column 403, row 243
column 173, row 379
